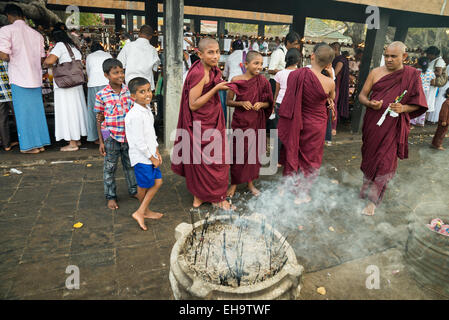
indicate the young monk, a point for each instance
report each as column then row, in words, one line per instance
column 207, row 175
column 253, row 106
column 443, row 124
column 303, row 119
column 382, row 145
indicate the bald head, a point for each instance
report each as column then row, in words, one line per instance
column 324, row 54
column 206, row 42
column 251, row 55
column 398, row 45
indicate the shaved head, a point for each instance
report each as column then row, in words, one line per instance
column 252, row 55
column 324, row 54
column 205, row 42
column 398, row 45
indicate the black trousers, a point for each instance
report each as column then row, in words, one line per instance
column 5, row 137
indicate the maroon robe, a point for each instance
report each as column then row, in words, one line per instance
column 302, row 124
column 382, row 145
column 442, row 131
column 208, row 179
column 257, row 89
column 342, row 87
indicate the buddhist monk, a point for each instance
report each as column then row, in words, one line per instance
column 303, row 118
column 200, row 151
column 253, row 106
column 382, row 145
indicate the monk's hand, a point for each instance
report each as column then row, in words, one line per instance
column 398, row 108
column 257, row 106
column 444, row 124
column 376, row 105
column 222, row 86
column 246, row 105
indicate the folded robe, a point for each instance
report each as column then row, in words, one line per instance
column 257, row 89
column 383, row 145
column 208, row 179
column 302, row 123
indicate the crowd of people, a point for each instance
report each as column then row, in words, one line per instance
column 303, row 103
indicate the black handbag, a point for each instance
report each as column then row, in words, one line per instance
column 69, row 74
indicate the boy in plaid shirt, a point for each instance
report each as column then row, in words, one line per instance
column 5, row 106
column 111, row 105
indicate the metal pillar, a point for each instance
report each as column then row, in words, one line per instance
column 173, row 55
column 118, row 21
column 372, row 55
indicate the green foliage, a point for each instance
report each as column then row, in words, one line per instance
column 90, row 19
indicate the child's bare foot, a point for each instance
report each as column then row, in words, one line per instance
column 441, row 148
column 253, row 189
column 150, row 214
column 112, row 204
column 231, row 190
column 32, row 151
column 303, row 199
column 369, row 209
column 334, row 132
column 12, row 145
column 225, row 205
column 197, row 202
column 139, row 217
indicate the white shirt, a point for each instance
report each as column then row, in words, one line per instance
column 232, row 66
column 140, row 59
column 63, row 55
column 140, row 133
column 94, row 68
column 186, row 45
column 277, row 61
column 255, row 47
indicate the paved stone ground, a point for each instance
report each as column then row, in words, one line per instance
column 119, row 261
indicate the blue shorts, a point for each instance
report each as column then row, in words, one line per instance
column 146, row 174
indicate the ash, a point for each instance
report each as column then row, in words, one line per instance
column 234, row 254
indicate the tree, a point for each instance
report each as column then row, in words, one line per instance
column 35, row 10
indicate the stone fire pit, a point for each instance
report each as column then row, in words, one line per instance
column 228, row 257
column 427, row 252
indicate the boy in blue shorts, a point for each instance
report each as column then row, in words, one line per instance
column 143, row 151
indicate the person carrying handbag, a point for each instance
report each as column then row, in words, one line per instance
column 69, row 100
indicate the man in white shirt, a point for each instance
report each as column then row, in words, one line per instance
column 277, row 60
column 143, row 152
column 140, row 58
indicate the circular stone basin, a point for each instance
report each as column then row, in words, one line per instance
column 427, row 251
column 188, row 282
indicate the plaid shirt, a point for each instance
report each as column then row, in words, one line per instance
column 5, row 88
column 115, row 107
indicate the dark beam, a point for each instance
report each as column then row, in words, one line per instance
column 196, row 24
column 130, row 22
column 261, row 29
column 372, row 54
column 151, row 13
column 118, row 21
column 401, row 33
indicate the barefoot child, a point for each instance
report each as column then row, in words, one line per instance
column 253, row 106
column 207, row 175
column 112, row 104
column 143, row 151
column 443, row 124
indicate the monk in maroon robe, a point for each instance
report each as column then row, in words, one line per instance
column 253, row 106
column 341, row 67
column 384, row 144
column 303, row 119
column 443, row 124
column 200, row 148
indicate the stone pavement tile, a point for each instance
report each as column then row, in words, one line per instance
column 92, row 239
column 61, row 207
column 130, row 234
column 34, row 195
column 95, row 218
column 35, row 181
column 14, row 234
column 65, row 190
column 164, row 231
column 6, row 193
column 47, row 295
column 97, row 276
column 92, row 202
column 47, row 241
column 19, row 210
column 36, row 278
column 142, row 257
column 149, row 285
column 315, row 258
